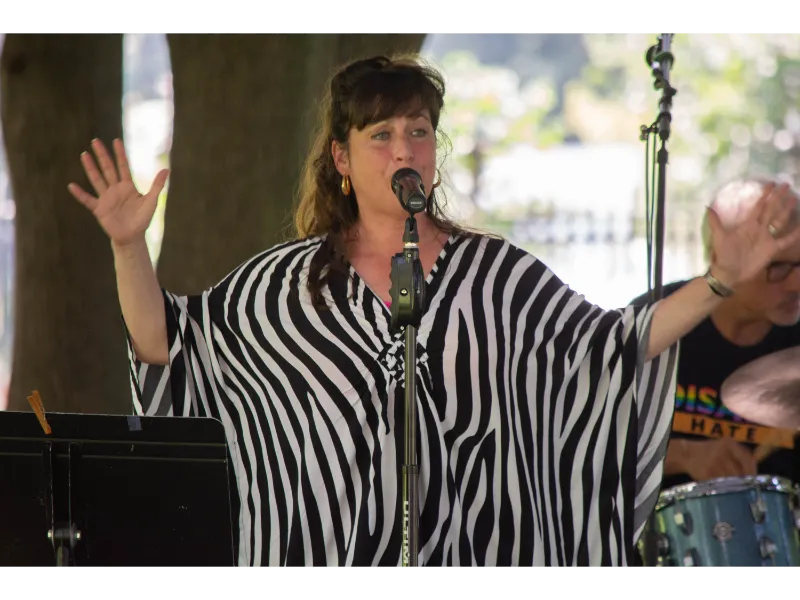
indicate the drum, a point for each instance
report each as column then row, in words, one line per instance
column 732, row 521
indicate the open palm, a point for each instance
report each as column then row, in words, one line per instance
column 742, row 251
column 123, row 213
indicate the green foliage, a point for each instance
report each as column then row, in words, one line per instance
column 736, row 110
column 487, row 111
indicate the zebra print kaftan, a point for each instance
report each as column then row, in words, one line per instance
column 542, row 429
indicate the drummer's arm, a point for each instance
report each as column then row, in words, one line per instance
column 677, row 457
column 707, row 459
column 679, row 313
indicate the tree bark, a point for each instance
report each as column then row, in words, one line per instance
column 58, row 92
column 243, row 118
column 328, row 52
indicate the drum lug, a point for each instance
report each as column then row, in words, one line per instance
column 654, row 548
column 758, row 509
column 662, row 545
column 691, row 558
column 768, row 548
column 684, row 521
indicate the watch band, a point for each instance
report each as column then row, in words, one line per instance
column 716, row 286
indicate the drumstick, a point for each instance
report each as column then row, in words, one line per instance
column 764, row 450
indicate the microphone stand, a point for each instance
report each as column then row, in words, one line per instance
column 659, row 57
column 408, row 299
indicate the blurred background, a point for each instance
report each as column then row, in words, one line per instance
column 545, row 145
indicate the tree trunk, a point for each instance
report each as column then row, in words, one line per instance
column 233, row 149
column 327, row 52
column 355, row 46
column 243, row 118
column 58, row 92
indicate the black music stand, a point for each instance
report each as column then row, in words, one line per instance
column 106, row 490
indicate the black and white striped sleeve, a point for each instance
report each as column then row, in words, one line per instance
column 171, row 390
column 610, row 414
column 655, row 406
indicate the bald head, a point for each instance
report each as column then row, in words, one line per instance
column 734, row 203
column 773, row 294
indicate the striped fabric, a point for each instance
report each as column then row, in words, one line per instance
column 542, row 429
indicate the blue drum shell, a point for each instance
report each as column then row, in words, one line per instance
column 731, row 521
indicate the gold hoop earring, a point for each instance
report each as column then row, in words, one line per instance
column 346, row 185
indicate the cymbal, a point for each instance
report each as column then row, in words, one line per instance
column 767, row 390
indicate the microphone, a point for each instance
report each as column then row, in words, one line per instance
column 408, row 187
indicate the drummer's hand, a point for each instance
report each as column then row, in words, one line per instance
column 744, row 250
column 704, row 460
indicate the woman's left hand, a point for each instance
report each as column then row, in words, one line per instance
column 745, row 249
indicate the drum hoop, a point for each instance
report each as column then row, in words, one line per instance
column 726, row 485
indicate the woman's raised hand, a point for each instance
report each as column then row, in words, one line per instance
column 123, row 213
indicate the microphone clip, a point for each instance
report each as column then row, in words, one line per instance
column 660, row 59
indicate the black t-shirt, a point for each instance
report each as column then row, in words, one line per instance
column 706, row 359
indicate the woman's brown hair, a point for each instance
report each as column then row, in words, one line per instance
column 359, row 94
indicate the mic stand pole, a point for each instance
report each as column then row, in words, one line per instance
column 660, row 59
column 408, row 299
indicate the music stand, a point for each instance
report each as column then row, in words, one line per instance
column 105, row 490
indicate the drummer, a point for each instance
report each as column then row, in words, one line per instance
column 761, row 317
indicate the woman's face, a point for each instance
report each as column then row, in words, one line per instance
column 375, row 153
